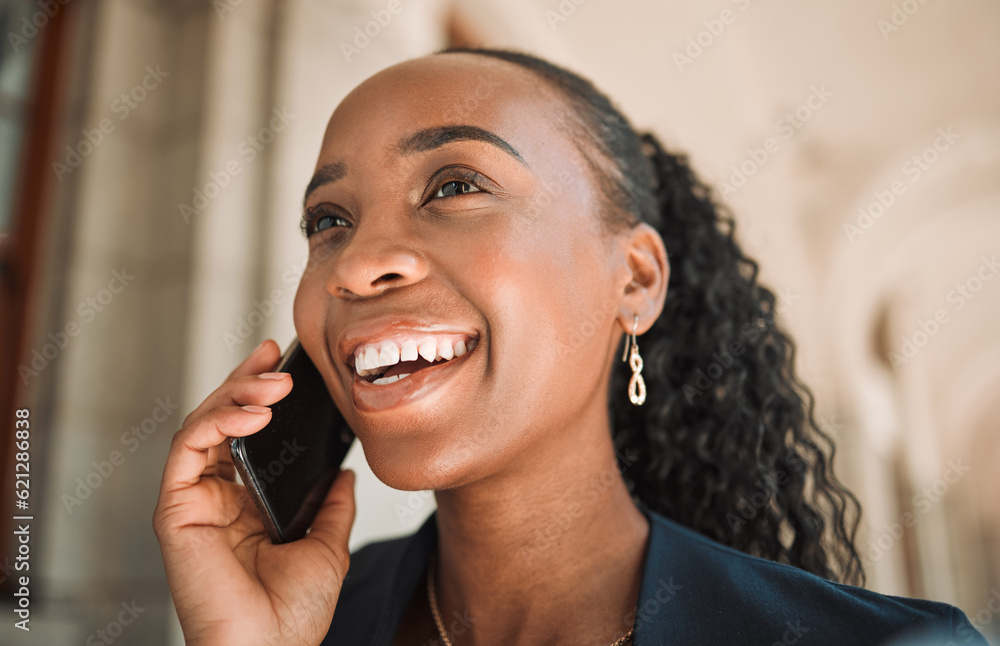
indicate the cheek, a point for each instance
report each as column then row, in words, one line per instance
column 550, row 313
column 312, row 322
column 308, row 311
column 563, row 278
column 589, row 312
column 300, row 314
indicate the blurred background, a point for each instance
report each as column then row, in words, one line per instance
column 153, row 155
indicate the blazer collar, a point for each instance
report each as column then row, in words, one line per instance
column 656, row 609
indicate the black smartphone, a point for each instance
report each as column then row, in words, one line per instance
column 289, row 465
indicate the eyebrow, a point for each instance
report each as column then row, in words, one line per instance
column 326, row 174
column 421, row 141
column 431, row 138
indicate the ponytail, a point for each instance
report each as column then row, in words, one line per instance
column 727, row 443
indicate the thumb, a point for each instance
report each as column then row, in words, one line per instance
column 332, row 526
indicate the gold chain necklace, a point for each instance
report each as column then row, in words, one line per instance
column 432, row 597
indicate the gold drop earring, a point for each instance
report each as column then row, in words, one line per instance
column 636, row 386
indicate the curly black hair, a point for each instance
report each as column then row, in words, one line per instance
column 727, row 443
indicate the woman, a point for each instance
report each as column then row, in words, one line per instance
column 484, row 229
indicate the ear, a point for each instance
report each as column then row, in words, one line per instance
column 646, row 273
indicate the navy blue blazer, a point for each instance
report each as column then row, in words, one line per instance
column 693, row 591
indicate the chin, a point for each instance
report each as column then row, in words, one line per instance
column 416, row 466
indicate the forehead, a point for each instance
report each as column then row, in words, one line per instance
column 448, row 89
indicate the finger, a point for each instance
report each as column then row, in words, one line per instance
column 254, row 390
column 224, row 463
column 220, row 463
column 263, row 358
column 259, row 390
column 188, row 456
column 333, row 523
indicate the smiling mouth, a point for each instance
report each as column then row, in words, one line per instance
column 391, row 360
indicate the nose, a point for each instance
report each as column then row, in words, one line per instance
column 379, row 257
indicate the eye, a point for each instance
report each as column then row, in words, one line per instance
column 456, row 187
column 320, row 218
column 327, row 221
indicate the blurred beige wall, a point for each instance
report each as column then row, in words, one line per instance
column 857, row 143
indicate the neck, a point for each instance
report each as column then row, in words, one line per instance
column 550, row 552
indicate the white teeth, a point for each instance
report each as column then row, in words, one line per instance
column 388, row 380
column 374, row 358
column 371, row 358
column 408, row 351
column 428, row 349
column 389, row 354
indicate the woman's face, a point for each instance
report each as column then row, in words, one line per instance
column 450, row 209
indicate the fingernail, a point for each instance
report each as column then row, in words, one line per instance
column 260, row 410
column 273, row 375
column 257, row 349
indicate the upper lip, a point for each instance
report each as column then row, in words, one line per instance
column 386, row 328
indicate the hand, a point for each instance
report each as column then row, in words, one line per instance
column 230, row 585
